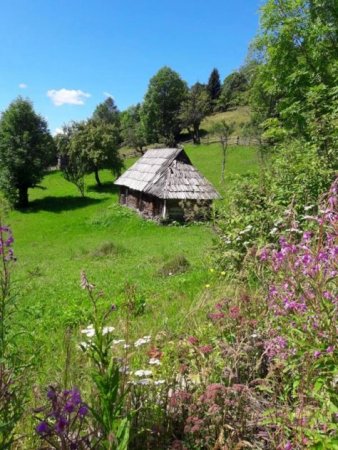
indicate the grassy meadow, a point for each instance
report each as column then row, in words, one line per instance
column 62, row 234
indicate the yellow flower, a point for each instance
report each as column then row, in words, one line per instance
column 207, row 285
column 211, row 270
column 223, row 273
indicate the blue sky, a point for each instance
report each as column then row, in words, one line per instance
column 66, row 55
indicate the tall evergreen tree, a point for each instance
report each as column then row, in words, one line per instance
column 107, row 112
column 214, row 85
column 26, row 150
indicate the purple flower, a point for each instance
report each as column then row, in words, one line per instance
column 61, row 425
column 317, row 353
column 330, row 349
column 83, row 410
column 42, row 428
column 288, row 446
column 51, row 394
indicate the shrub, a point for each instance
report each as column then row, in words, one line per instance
column 175, row 266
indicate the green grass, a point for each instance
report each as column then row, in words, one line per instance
column 62, row 234
column 239, row 116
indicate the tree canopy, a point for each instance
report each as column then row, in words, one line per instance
column 214, row 85
column 162, row 104
column 106, row 112
column 296, row 81
column 194, row 109
column 26, row 150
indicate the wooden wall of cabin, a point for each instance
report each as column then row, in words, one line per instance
column 147, row 205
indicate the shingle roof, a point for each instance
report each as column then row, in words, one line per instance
column 168, row 174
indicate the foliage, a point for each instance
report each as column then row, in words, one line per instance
column 12, row 368
column 26, row 150
column 108, row 408
column 214, row 86
column 194, row 109
column 107, row 112
column 132, row 128
column 87, row 147
column 162, row 103
column 302, row 300
column 233, row 91
column 293, row 177
column 73, row 164
column 296, row 80
column 63, row 422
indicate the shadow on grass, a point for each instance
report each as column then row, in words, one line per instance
column 60, row 204
column 108, row 187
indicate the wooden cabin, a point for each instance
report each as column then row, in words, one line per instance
column 163, row 183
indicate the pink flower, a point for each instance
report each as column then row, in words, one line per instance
column 192, row 340
column 205, row 349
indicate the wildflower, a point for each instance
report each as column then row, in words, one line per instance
column 275, row 347
column 118, row 341
column 61, row 425
column 317, row 353
column 144, row 382
column 205, row 349
column 84, row 345
column 154, row 362
column 142, row 341
column 192, row 340
column 83, row 410
column 330, row 349
column 89, row 331
column 107, row 330
column 155, row 353
column 84, row 283
column 216, row 316
column 143, row 373
column 159, row 382
column 207, row 286
column 211, row 270
column 288, row 446
column 234, row 312
column 42, row 428
column 126, row 346
column 223, row 273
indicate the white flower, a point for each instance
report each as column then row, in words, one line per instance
column 118, row 341
column 143, row 373
column 124, row 369
column 307, row 208
column 126, row 346
column 83, row 345
column 273, row 231
column 89, row 331
column 107, row 330
column 158, row 382
column 154, row 362
column 141, row 341
column 144, row 382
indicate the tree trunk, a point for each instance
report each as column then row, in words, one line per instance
column 224, row 148
column 97, row 178
column 23, row 197
column 196, row 136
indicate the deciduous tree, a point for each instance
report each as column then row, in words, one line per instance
column 26, row 150
column 162, row 104
column 194, row 109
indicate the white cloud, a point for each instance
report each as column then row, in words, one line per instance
column 57, row 131
column 107, row 94
column 23, row 86
column 67, row 96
